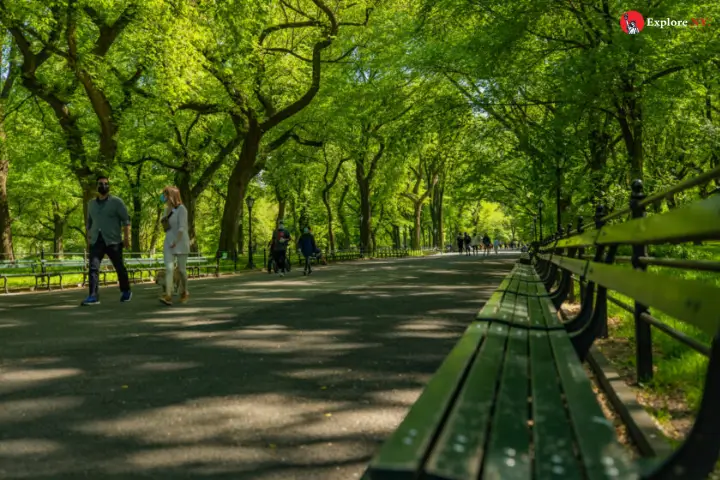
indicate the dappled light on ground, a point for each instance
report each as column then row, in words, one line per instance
column 256, row 377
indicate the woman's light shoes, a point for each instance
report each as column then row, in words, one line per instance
column 167, row 300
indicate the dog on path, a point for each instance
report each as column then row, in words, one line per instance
column 161, row 281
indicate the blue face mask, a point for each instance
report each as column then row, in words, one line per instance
column 162, row 197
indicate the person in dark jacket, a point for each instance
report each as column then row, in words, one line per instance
column 306, row 245
column 280, row 239
column 460, row 242
column 467, row 240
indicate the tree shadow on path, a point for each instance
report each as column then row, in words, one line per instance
column 256, row 378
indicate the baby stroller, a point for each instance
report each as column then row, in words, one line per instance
column 271, row 267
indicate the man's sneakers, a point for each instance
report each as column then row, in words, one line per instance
column 126, row 296
column 166, row 299
column 91, row 300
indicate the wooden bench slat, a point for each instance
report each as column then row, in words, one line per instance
column 457, row 455
column 552, row 432
column 402, row 454
column 696, row 221
column 508, row 453
column 691, row 301
column 549, row 313
column 602, row 455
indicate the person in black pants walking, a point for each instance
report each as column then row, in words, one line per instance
column 107, row 218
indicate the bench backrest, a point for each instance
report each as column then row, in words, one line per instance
column 692, row 301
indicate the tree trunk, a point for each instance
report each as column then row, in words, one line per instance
column 89, row 189
column 418, row 230
column 58, row 233
column 293, row 210
column 345, row 244
column 156, row 231
column 281, row 211
column 6, row 248
column 240, row 178
column 365, row 207
column 241, row 229
column 436, row 213
column 136, row 222
column 183, row 183
column 328, row 209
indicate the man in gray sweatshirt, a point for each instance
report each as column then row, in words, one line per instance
column 107, row 220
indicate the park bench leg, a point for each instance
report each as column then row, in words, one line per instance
column 697, row 456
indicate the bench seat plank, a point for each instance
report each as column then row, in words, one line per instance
column 458, row 452
column 602, row 455
column 508, row 453
column 402, row 454
column 552, row 431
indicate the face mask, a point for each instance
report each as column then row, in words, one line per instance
column 306, row 230
column 162, row 197
column 103, row 188
column 281, row 226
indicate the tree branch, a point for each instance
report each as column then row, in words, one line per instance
column 305, row 100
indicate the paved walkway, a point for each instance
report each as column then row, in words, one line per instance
column 257, row 377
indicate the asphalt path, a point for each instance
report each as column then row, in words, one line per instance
column 256, row 377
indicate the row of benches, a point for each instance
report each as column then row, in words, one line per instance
column 197, row 266
column 512, row 400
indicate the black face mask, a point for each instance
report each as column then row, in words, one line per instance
column 103, row 188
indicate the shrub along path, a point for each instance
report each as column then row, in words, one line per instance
column 256, row 377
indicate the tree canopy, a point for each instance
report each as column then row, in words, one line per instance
column 368, row 120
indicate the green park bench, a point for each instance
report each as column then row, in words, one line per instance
column 18, row 269
column 198, row 266
column 512, row 400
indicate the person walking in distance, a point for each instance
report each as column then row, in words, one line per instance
column 486, row 244
column 496, row 244
column 467, row 240
column 280, row 239
column 460, row 242
column 177, row 243
column 306, row 245
column 107, row 221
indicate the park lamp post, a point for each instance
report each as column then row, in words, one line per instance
column 250, row 201
column 540, row 205
column 535, row 228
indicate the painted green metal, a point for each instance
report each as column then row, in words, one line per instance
column 402, row 454
column 602, row 456
column 459, row 451
column 690, row 301
column 695, row 221
column 553, row 437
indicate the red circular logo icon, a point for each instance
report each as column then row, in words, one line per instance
column 632, row 22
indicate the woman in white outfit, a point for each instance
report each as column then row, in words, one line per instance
column 177, row 243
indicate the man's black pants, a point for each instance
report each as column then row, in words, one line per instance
column 114, row 253
column 279, row 256
column 308, row 263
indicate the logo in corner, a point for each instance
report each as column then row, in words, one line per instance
column 632, row 22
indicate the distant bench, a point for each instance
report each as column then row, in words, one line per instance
column 45, row 270
column 512, row 399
